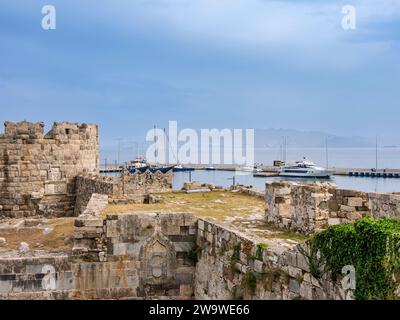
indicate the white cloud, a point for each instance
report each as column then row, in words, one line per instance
column 309, row 30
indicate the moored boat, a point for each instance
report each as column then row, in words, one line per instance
column 304, row 169
column 180, row 168
column 140, row 165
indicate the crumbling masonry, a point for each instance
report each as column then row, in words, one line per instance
column 38, row 171
column 57, row 174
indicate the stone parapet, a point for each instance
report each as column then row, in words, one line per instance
column 37, row 170
column 129, row 188
column 233, row 265
column 307, row 207
column 137, row 256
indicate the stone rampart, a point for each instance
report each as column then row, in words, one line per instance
column 136, row 256
column 233, row 265
column 306, row 207
column 37, row 170
column 129, row 188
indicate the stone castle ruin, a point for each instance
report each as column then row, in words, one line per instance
column 307, row 207
column 38, row 171
column 158, row 255
column 56, row 174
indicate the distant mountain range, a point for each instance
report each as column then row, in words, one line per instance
column 273, row 138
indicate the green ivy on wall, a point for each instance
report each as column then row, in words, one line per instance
column 370, row 245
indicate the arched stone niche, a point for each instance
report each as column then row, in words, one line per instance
column 158, row 260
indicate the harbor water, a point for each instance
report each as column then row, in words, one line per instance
column 225, row 179
column 335, row 158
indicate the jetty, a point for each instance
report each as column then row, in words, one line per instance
column 362, row 172
column 271, row 171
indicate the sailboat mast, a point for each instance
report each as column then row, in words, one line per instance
column 376, row 152
column 326, row 152
column 285, row 144
column 155, row 140
column 165, row 143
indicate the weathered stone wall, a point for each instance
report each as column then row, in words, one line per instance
column 306, row 207
column 141, row 255
column 37, row 171
column 347, row 206
column 49, row 276
column 232, row 266
column 250, row 191
column 384, row 205
column 86, row 186
column 130, row 185
column 97, row 203
column 125, row 189
column 302, row 208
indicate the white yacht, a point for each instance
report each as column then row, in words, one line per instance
column 304, row 169
column 249, row 169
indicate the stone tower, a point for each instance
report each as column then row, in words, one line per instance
column 38, row 171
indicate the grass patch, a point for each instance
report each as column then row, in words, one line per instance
column 235, row 258
column 260, row 249
column 282, row 233
column 218, row 204
column 249, row 282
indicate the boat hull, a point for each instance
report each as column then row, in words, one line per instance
column 150, row 169
column 319, row 175
column 183, row 169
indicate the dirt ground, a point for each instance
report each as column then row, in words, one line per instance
column 49, row 234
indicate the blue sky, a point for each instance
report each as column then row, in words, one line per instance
column 127, row 65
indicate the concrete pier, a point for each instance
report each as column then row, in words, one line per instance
column 372, row 173
column 271, row 171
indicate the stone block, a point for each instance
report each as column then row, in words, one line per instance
column 65, row 280
column 133, row 250
column 243, row 258
column 226, row 235
column 346, row 208
column 258, row 266
column 334, row 221
column 354, row 215
column 201, row 225
column 294, row 286
column 315, row 282
column 93, row 222
column 280, row 192
column 355, row 202
column 293, row 271
column 183, row 246
column 6, row 286
column 291, row 258
column 302, row 262
column 112, row 229
column 319, row 294
column 120, row 249
column 186, row 290
column 133, row 280
column 184, row 278
column 306, row 291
